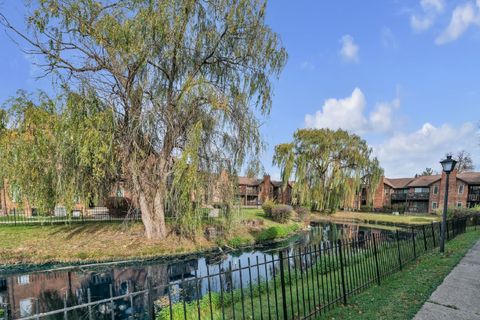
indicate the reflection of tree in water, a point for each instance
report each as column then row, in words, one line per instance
column 53, row 300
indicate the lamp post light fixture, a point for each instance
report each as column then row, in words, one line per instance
column 448, row 166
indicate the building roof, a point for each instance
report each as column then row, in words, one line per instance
column 249, row 181
column 425, row 181
column 276, row 183
column 398, row 183
column 469, row 177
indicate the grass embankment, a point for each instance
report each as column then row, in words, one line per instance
column 380, row 218
column 401, row 295
column 106, row 241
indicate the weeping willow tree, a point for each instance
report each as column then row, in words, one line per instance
column 180, row 76
column 328, row 167
column 56, row 152
column 27, row 142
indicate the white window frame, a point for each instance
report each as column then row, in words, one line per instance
column 461, row 187
column 436, row 189
column 23, row 279
column 459, row 204
column 434, row 205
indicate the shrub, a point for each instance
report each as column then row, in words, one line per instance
column 238, row 242
column 302, row 212
column 267, row 207
column 281, row 213
column 277, row 232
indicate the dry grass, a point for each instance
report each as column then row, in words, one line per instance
column 87, row 242
column 106, row 241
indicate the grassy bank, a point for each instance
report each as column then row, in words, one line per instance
column 364, row 217
column 107, row 241
column 402, row 295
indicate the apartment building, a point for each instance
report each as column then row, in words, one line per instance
column 426, row 194
column 253, row 191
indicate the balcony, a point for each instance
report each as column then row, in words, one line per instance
column 474, row 197
column 399, row 196
column 248, row 192
column 419, row 196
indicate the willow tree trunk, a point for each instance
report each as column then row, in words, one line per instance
column 150, row 196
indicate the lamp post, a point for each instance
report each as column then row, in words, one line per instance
column 448, row 166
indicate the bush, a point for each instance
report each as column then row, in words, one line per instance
column 238, row 242
column 277, row 232
column 282, row 213
column 302, row 212
column 267, row 207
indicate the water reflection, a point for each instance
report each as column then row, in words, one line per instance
column 29, row 293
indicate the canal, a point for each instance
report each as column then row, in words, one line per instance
column 27, row 293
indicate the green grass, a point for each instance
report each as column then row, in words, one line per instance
column 401, row 295
column 382, row 218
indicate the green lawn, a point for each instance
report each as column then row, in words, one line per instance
column 381, row 218
column 401, row 295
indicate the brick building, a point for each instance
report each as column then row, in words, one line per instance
column 253, row 191
column 425, row 194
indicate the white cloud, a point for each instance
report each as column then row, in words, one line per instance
column 463, row 16
column 421, row 23
column 436, row 5
column 405, row 154
column 349, row 114
column 430, row 10
column 307, row 65
column 388, row 38
column 349, row 50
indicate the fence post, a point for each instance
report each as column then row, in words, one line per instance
column 424, row 237
column 339, row 242
column 414, row 246
column 282, row 284
column 398, row 250
column 433, row 235
column 89, row 299
column 446, row 224
column 376, row 258
column 150, row 308
column 112, row 304
column 65, row 305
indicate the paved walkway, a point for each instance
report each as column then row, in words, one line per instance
column 458, row 297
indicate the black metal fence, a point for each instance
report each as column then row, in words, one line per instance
column 18, row 217
column 300, row 283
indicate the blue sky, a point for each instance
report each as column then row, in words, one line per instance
column 402, row 74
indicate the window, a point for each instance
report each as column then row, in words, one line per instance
column 460, row 189
column 421, row 190
column 120, row 192
column 26, row 307
column 435, row 189
column 25, row 279
column 434, row 205
column 459, row 204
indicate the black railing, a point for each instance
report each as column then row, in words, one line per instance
column 18, row 217
column 399, row 196
column 418, row 196
column 474, row 197
column 288, row 284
